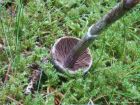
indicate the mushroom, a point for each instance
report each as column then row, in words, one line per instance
column 61, row 49
column 71, row 54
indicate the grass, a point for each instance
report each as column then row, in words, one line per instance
column 29, row 36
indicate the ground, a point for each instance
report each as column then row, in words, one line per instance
column 28, row 32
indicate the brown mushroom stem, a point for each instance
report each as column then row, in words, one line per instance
column 116, row 13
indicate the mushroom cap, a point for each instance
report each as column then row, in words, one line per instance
column 61, row 49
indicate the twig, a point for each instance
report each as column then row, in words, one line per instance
column 102, row 96
column 90, row 102
column 7, row 73
column 106, row 101
column 11, row 99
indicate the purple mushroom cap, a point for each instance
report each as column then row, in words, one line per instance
column 61, row 49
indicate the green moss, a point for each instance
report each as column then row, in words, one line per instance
column 29, row 36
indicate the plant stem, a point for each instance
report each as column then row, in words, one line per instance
column 116, row 13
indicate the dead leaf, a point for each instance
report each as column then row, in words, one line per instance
column 35, row 77
column 1, row 44
column 58, row 96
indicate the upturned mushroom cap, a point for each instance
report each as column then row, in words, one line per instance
column 61, row 49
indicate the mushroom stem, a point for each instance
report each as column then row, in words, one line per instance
column 116, row 13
